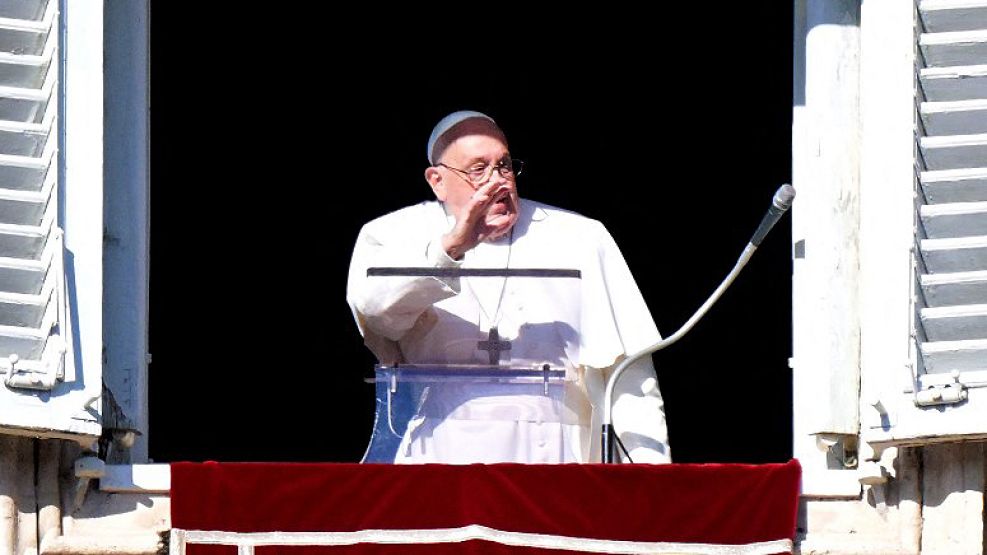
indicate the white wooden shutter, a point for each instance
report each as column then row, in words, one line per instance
column 34, row 326
column 948, row 399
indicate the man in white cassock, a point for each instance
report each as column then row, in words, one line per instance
column 586, row 328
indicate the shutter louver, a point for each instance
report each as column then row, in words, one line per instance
column 32, row 286
column 951, row 223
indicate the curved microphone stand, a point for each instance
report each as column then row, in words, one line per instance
column 781, row 202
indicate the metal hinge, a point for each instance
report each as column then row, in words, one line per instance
column 942, row 394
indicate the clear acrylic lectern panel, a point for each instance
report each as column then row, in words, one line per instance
column 412, row 399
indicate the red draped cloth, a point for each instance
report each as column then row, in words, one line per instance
column 488, row 509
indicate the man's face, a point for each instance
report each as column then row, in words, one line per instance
column 478, row 145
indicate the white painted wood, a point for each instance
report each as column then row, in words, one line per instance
column 891, row 270
column 18, row 275
column 176, row 542
column 954, row 151
column 956, row 117
column 127, row 215
column 21, row 36
column 23, row 71
column 22, row 207
column 950, row 260
column 23, row 139
column 38, row 26
column 959, row 288
column 920, row 426
column 887, row 106
column 940, row 84
column 136, row 478
column 26, row 342
column 29, row 95
column 24, row 105
column 953, row 15
column 961, row 254
column 30, row 207
column 955, row 323
column 28, row 238
column 962, row 355
column 45, row 188
column 82, row 165
column 23, row 173
column 952, row 323
column 22, row 241
column 961, row 185
column 22, row 143
column 18, row 309
column 969, row 379
column 955, row 48
column 24, row 9
column 825, row 172
column 960, row 219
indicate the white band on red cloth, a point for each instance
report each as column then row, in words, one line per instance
column 465, row 533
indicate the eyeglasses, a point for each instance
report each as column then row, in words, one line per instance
column 479, row 174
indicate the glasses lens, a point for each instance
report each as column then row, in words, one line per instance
column 507, row 168
column 479, row 176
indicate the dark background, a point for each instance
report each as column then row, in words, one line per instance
column 275, row 138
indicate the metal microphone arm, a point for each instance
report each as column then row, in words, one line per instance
column 785, row 193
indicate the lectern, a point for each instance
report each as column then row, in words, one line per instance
column 502, row 382
column 407, row 396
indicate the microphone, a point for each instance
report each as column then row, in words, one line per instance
column 781, row 202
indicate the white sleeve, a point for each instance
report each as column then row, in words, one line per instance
column 390, row 305
column 639, row 414
column 638, row 409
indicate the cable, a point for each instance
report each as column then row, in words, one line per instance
column 622, row 448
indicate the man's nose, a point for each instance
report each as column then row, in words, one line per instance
column 497, row 177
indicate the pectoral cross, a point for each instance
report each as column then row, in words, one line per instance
column 494, row 345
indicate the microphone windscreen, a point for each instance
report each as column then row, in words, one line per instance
column 784, row 196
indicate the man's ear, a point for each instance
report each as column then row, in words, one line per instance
column 434, row 179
